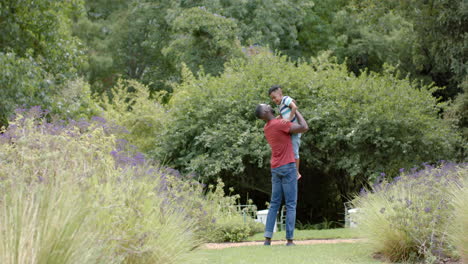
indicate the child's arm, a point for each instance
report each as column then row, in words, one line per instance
column 293, row 107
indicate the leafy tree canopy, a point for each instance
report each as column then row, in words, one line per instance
column 42, row 29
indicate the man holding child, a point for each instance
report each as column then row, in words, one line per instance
column 284, row 174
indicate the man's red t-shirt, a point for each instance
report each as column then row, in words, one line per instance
column 277, row 135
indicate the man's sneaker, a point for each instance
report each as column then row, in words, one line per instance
column 290, row 243
column 267, row 242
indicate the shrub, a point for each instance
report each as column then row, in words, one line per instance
column 408, row 218
column 74, row 100
column 71, row 194
column 359, row 125
column 232, row 229
column 23, row 82
column 129, row 105
column 228, row 222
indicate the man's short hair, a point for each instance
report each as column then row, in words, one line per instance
column 273, row 88
column 259, row 111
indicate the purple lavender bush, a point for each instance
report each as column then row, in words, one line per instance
column 408, row 218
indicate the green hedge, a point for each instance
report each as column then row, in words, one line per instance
column 359, row 125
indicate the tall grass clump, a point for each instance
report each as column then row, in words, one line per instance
column 46, row 223
column 70, row 192
column 459, row 230
column 408, row 219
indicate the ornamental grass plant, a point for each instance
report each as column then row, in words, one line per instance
column 71, row 193
column 459, row 230
column 408, row 218
column 46, row 223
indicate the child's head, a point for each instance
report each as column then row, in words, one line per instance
column 275, row 94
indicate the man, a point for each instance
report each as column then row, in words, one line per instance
column 283, row 168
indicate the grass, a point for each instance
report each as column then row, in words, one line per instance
column 312, row 234
column 308, row 254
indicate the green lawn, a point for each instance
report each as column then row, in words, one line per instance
column 355, row 253
column 344, row 253
column 312, row 234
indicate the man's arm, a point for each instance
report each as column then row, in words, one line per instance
column 301, row 127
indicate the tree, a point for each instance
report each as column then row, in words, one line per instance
column 148, row 40
column 94, row 28
column 438, row 36
column 42, row 29
column 41, row 59
column 317, row 32
column 269, row 23
column 202, row 39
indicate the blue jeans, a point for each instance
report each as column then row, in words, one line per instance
column 284, row 183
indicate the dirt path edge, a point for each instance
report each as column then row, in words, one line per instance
column 279, row 242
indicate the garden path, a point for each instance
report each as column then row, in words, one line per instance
column 279, row 242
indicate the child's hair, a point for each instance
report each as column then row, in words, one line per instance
column 273, row 88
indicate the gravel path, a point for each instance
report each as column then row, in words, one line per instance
column 280, row 242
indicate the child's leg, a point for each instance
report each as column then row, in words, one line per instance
column 297, row 166
column 296, row 141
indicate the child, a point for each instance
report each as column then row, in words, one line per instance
column 287, row 108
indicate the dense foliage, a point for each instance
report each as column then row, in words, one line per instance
column 23, row 82
column 359, row 126
column 42, row 29
column 65, row 188
column 428, row 39
column 424, row 39
column 183, row 76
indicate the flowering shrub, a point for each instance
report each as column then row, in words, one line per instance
column 409, row 217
